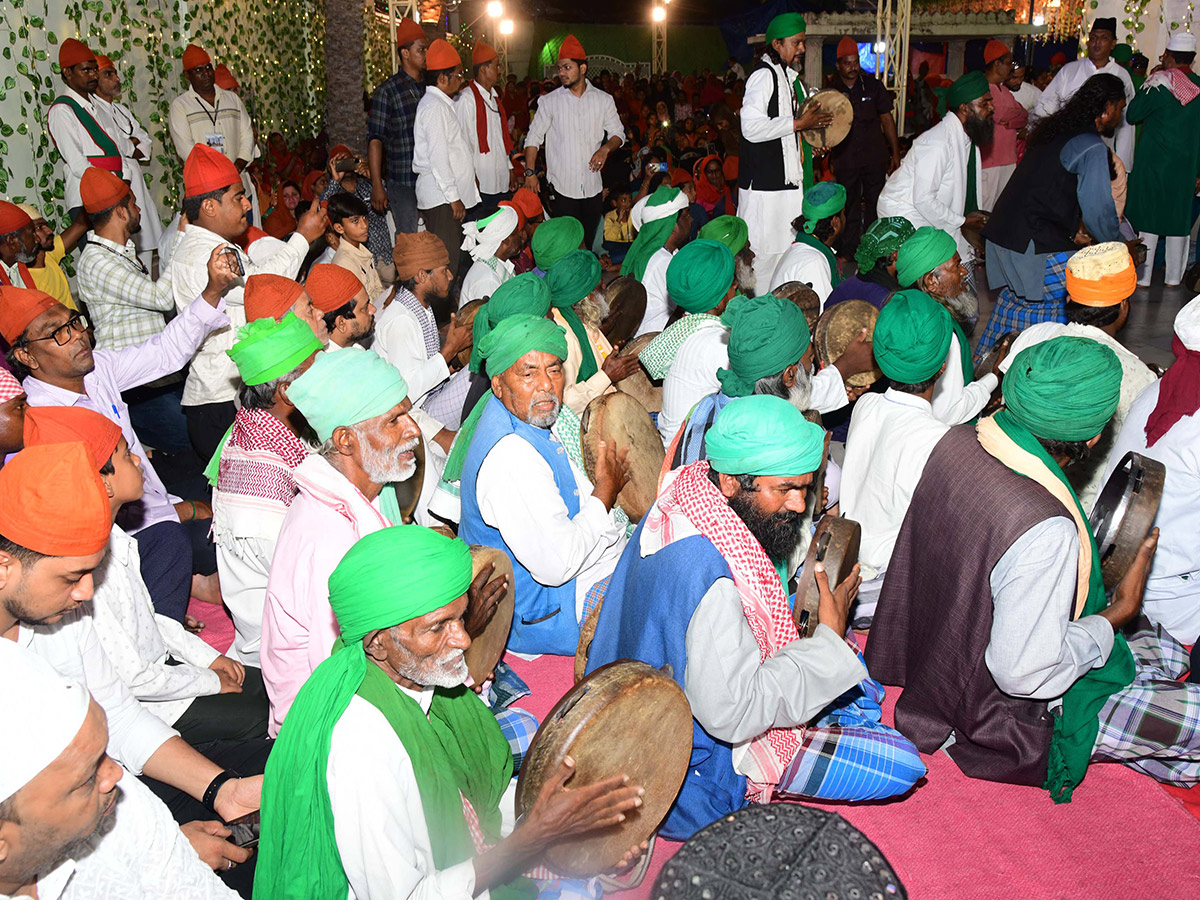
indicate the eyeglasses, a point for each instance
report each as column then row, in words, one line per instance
column 62, row 334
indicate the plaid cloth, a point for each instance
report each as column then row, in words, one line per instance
column 1011, row 314
column 518, row 728
column 127, row 306
column 1154, row 724
column 595, row 595
column 393, row 112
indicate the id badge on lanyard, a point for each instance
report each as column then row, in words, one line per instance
column 215, row 139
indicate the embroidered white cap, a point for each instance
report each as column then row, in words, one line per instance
column 1183, row 41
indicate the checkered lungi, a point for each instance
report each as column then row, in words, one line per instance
column 594, row 595
column 518, row 728
column 1154, row 724
column 1013, row 314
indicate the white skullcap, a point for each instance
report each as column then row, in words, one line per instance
column 483, row 238
column 1182, row 41
column 44, row 712
column 1034, row 334
column 1187, row 324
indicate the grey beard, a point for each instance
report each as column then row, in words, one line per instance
column 545, row 420
column 382, row 466
column 447, row 672
column 744, row 275
column 800, row 393
column 28, row 257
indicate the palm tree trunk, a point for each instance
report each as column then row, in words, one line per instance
column 345, row 118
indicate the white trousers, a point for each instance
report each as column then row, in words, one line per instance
column 1177, row 254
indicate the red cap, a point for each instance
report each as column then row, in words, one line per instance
column 408, row 31
column 18, row 308
column 482, row 53
column 528, row 203
column 101, row 189
column 72, row 52
column 194, row 56
column 103, row 62
column 68, row 424
column 571, row 49
column 270, row 296
column 441, row 55
column 331, row 287
column 207, row 170
column 680, row 176
column 53, row 502
column 1058, row 59
column 224, row 79
column 993, row 50
column 12, row 217
column 847, row 46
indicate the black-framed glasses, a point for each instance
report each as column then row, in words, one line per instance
column 62, row 334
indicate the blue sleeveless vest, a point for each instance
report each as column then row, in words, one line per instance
column 645, row 616
column 544, row 618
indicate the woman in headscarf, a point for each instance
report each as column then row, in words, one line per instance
column 711, row 190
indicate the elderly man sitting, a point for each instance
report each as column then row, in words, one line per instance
column 390, row 776
column 734, row 234
column 522, row 492
column 492, row 243
column 994, row 616
column 251, row 473
column 702, row 587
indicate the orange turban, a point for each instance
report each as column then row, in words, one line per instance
column 224, row 79
column 482, row 53
column 680, row 176
column 418, row 252
column 101, row 189
column 520, row 215
column 847, row 46
column 103, row 62
column 207, row 170
column 72, row 52
column 270, row 296
column 571, row 49
column 12, row 217
column 53, row 502
column 408, row 31
column 19, row 307
column 441, row 55
column 194, row 56
column 527, row 202
column 993, row 50
column 69, row 424
column 331, row 287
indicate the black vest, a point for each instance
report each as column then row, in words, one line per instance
column 760, row 165
column 1039, row 202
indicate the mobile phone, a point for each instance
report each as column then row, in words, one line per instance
column 245, row 829
column 235, row 261
column 661, row 167
column 349, row 164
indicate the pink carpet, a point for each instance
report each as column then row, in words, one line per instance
column 218, row 627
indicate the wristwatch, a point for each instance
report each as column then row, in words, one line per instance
column 529, row 173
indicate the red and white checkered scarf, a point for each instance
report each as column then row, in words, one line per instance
column 256, row 486
column 1176, row 81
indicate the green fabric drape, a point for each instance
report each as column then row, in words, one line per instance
column 835, row 277
column 964, row 350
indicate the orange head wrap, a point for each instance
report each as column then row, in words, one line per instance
column 53, row 502
column 993, row 50
column 482, row 53
column 207, row 170
column 270, row 296
column 441, row 55
column 224, row 79
column 527, row 202
column 193, row 56
column 12, row 217
column 418, row 252
column 101, row 189
column 69, row 424
column 331, row 287
column 408, row 31
column 1108, row 289
column 19, row 307
column 847, row 46
column 72, row 52
column 103, row 62
column 571, row 49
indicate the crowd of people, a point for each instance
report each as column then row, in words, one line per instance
column 339, row 372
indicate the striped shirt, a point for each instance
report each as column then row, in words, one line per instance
column 573, row 129
column 126, row 305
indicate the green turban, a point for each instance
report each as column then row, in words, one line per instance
column 266, row 349
column 912, row 337
column 518, row 335
column 554, row 239
column 764, row 435
column 824, row 199
column 883, row 238
column 968, row 88
column 766, row 335
column 700, row 275
column 524, row 294
column 1064, row 389
column 570, row 280
column 784, row 26
column 650, row 239
column 346, row 387
column 1122, row 53
column 729, row 230
column 927, row 249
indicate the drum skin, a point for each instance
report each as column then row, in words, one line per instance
column 587, row 634
column 626, row 718
column 837, row 103
column 638, row 385
column 466, row 316
column 485, row 651
column 837, row 327
column 835, row 546
column 1124, row 513
column 804, row 297
column 408, row 492
column 619, row 419
column 626, row 308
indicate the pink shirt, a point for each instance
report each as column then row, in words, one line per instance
column 1010, row 117
column 299, row 628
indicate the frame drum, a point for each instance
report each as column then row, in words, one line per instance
column 638, row 385
column 837, row 103
column 485, row 651
column 626, row 308
column 621, row 420
column 1124, row 513
column 837, row 327
column 834, row 545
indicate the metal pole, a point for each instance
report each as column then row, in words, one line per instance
column 392, row 33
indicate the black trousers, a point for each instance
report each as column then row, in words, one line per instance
column 587, row 211
column 207, row 424
column 228, row 717
column 863, row 187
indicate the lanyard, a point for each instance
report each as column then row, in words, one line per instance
column 141, row 265
column 216, row 109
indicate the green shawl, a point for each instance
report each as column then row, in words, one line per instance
column 650, row 239
column 964, row 349
column 803, row 237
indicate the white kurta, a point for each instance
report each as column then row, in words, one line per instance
column 74, row 143
column 930, row 187
column 692, row 376
column 492, row 168
column 658, row 304
column 1027, row 95
column 955, row 401
column 483, row 278
column 800, row 262
column 400, row 340
column 1070, row 78
column 441, row 156
column 127, row 128
column 224, row 126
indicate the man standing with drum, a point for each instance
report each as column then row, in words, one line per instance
column 702, row 587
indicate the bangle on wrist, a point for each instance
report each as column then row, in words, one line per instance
column 210, row 793
column 193, row 502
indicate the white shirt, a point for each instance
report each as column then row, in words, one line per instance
column 400, row 340
column 138, row 641
column 1027, row 95
column 1172, row 596
column 213, row 378
column 800, row 262
column 759, row 128
column 74, row 143
column 224, row 126
column 930, row 187
column 74, row 652
column 692, row 376
column 1070, row 78
column 517, row 496
column 127, row 127
column 658, row 303
column 955, row 401
column 14, row 275
column 890, row 438
column 491, row 168
column 441, row 154
column 573, row 129
column 483, row 278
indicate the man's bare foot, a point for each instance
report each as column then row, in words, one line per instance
column 207, row 588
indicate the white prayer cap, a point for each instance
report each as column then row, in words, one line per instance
column 483, row 238
column 30, row 211
column 1183, row 41
column 1187, row 324
column 44, row 712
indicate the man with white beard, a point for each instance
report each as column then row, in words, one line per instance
column 359, row 408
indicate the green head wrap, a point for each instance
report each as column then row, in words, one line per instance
column 784, row 26
column 912, row 337
column 1065, row 389
column 524, row 294
column 1122, row 53
column 764, row 435
column 346, row 387
column 729, row 230
column 700, row 275
column 766, row 335
column 266, row 349
column 966, row 89
column 927, row 249
column 883, row 238
column 570, row 280
column 825, row 199
column 554, row 239
column 650, row 239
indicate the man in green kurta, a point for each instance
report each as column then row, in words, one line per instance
column 1165, row 179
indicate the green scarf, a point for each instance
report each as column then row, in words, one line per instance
column 972, row 202
column 587, row 358
column 571, row 279
column 1076, row 727
column 964, row 349
column 806, row 152
column 650, row 239
column 803, row 238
